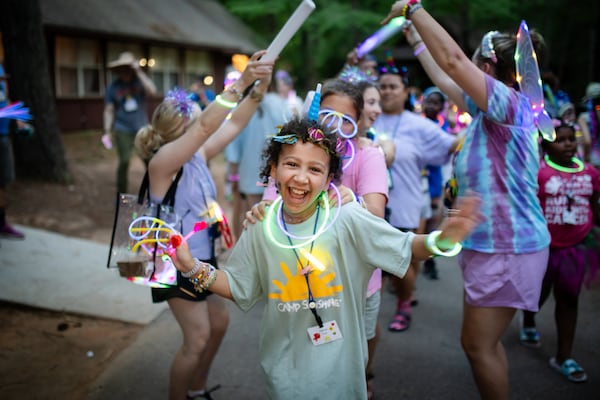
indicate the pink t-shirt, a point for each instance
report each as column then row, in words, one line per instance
column 556, row 190
column 366, row 174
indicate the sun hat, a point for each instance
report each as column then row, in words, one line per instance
column 125, row 59
column 592, row 91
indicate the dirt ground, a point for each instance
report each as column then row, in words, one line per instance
column 45, row 354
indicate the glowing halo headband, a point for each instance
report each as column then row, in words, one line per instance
column 337, row 214
column 530, row 82
column 335, row 122
column 269, row 223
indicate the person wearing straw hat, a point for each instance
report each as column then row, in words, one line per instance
column 125, row 109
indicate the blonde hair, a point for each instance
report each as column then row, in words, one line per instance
column 167, row 125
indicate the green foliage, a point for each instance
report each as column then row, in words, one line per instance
column 318, row 51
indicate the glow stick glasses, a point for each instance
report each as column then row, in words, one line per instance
column 338, row 123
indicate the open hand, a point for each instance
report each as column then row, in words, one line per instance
column 257, row 69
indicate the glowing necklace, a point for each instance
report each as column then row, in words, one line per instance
column 560, row 168
column 269, row 226
column 282, row 226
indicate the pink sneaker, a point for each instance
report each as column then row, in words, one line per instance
column 8, row 232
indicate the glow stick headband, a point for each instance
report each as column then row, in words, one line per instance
column 530, row 82
column 339, row 123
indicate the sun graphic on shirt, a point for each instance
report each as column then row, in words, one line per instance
column 295, row 288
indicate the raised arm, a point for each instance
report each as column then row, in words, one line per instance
column 176, row 153
column 147, row 83
column 435, row 73
column 445, row 52
column 239, row 119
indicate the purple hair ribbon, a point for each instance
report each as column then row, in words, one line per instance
column 182, row 101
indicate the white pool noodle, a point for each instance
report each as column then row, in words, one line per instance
column 289, row 29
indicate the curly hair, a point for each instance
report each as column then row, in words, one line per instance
column 300, row 129
column 504, row 47
column 167, row 125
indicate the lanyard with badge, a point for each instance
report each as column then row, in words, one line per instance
column 322, row 333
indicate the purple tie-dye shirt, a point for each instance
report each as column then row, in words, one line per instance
column 500, row 161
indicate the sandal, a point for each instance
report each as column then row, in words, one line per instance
column 530, row 337
column 569, row 369
column 400, row 323
column 206, row 395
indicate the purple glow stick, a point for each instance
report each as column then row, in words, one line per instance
column 391, row 28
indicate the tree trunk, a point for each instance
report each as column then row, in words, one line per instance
column 41, row 155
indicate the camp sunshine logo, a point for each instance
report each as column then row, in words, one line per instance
column 293, row 292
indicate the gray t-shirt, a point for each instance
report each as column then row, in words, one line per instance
column 259, row 269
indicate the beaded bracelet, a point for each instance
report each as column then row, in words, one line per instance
column 193, row 271
column 412, row 10
column 431, row 244
column 410, row 7
column 225, row 103
column 205, row 278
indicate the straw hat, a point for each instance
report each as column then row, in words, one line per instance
column 592, row 91
column 125, row 59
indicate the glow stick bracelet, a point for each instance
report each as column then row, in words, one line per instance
column 289, row 29
column 384, row 33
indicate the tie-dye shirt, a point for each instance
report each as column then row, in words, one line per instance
column 500, row 161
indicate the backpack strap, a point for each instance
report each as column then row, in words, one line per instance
column 169, row 199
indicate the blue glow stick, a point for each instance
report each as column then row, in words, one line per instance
column 391, row 28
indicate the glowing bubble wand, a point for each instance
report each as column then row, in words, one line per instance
column 380, row 36
column 530, row 82
column 289, row 29
column 15, row 111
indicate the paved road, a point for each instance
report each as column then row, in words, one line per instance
column 426, row 362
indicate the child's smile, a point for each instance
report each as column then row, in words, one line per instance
column 301, row 174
